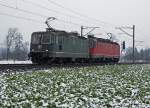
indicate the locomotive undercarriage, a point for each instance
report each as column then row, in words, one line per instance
column 43, row 58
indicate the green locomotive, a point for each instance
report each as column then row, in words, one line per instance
column 58, row 46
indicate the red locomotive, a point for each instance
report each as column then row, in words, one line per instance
column 103, row 50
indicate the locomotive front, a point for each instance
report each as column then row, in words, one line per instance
column 41, row 46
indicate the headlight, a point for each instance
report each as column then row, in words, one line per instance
column 32, row 50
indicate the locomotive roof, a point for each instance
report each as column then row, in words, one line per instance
column 103, row 40
column 74, row 34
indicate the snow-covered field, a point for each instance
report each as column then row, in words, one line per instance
column 15, row 62
column 91, row 87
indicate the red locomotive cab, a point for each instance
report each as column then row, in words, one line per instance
column 103, row 50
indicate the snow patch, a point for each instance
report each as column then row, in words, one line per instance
column 15, row 62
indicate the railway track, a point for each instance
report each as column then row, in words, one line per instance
column 6, row 68
column 21, row 67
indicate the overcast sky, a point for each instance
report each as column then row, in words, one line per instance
column 106, row 14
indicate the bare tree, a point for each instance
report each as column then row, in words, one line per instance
column 16, row 48
column 9, row 39
column 18, row 45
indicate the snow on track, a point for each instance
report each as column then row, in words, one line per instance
column 15, row 62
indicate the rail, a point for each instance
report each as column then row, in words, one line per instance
column 7, row 68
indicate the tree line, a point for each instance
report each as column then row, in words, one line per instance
column 142, row 54
column 14, row 47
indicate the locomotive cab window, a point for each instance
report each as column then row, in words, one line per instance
column 36, row 38
column 46, row 39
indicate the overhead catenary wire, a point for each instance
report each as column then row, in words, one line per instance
column 41, row 15
column 22, row 10
column 44, row 16
column 58, row 12
column 52, row 10
column 23, row 18
column 79, row 14
column 20, row 17
column 64, row 14
column 48, row 9
column 37, row 14
column 43, row 7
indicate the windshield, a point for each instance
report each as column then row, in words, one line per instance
column 46, row 39
column 36, row 38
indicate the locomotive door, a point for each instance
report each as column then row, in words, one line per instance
column 92, row 45
column 60, row 43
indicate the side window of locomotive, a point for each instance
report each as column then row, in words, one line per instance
column 45, row 39
column 33, row 39
column 52, row 39
column 60, row 42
